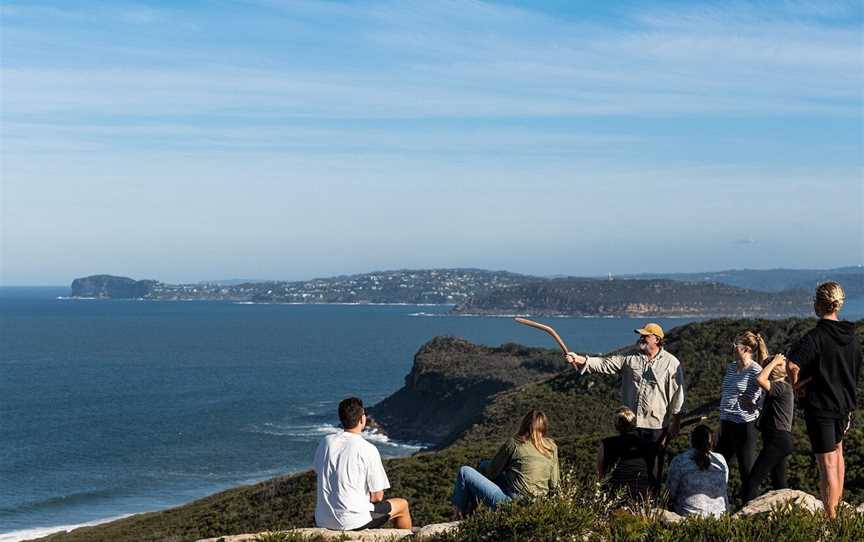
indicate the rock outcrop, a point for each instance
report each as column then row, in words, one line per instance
column 111, row 287
column 773, row 499
column 450, row 383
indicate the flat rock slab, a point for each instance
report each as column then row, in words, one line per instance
column 367, row 535
column 425, row 533
column 779, row 497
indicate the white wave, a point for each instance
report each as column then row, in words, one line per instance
column 38, row 532
column 317, row 430
column 296, row 431
column 374, row 435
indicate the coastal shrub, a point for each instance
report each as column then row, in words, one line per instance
column 582, row 511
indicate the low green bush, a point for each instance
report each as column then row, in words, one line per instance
column 581, row 511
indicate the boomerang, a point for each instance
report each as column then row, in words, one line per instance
column 547, row 329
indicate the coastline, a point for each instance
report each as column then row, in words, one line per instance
column 372, row 435
column 40, row 532
column 446, row 314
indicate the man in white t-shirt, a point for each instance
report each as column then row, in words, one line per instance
column 351, row 479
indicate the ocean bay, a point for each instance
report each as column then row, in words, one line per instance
column 118, row 407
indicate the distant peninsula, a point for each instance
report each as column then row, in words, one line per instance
column 743, row 293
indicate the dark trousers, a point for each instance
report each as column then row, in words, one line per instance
column 656, row 462
column 776, row 446
column 738, row 440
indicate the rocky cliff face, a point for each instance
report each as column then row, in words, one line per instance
column 450, row 383
column 111, row 287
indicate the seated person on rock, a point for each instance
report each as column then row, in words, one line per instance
column 351, row 478
column 698, row 478
column 626, row 459
column 525, row 465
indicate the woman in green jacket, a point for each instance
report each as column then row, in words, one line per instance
column 525, row 465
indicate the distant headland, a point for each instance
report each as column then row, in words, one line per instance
column 734, row 293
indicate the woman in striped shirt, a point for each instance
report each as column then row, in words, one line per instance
column 740, row 402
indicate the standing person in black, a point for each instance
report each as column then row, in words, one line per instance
column 775, row 423
column 825, row 365
column 627, row 458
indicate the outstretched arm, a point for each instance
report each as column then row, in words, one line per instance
column 606, row 365
column 763, row 378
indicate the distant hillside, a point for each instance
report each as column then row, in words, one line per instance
column 436, row 286
column 580, row 409
column 636, row 298
column 772, row 280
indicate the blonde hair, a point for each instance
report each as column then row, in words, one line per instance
column 829, row 298
column 625, row 419
column 777, row 374
column 755, row 343
column 533, row 429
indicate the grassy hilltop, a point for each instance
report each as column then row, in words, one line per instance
column 580, row 409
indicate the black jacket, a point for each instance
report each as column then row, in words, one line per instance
column 830, row 354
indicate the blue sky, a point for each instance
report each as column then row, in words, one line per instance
column 185, row 141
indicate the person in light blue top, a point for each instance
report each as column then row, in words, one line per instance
column 698, row 478
column 740, row 402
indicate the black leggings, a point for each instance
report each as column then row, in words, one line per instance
column 738, row 440
column 776, row 445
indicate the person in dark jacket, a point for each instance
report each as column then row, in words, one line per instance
column 627, row 459
column 825, row 364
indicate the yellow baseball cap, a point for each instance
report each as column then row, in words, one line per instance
column 650, row 329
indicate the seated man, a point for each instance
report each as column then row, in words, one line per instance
column 351, row 479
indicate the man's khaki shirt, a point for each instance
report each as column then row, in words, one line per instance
column 653, row 389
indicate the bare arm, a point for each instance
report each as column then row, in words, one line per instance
column 763, row 378
column 376, row 496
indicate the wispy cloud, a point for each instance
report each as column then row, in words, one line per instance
column 415, row 60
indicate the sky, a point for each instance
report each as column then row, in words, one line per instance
column 268, row 139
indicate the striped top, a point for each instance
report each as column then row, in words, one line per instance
column 742, row 397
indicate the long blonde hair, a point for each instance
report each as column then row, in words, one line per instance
column 533, row 429
column 829, row 298
column 755, row 343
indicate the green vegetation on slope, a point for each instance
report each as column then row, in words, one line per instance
column 580, row 408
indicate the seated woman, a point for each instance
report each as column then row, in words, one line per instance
column 626, row 458
column 525, row 465
column 698, row 478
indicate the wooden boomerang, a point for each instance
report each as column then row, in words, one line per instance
column 547, row 329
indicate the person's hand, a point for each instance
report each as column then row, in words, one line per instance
column 779, row 361
column 574, row 359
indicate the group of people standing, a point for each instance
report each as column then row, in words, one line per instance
column 757, row 396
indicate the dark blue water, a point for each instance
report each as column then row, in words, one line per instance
column 116, row 407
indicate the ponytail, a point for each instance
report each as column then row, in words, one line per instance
column 755, row 343
column 702, row 441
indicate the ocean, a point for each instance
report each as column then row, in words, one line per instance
column 115, row 407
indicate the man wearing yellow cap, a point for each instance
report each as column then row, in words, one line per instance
column 652, row 383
